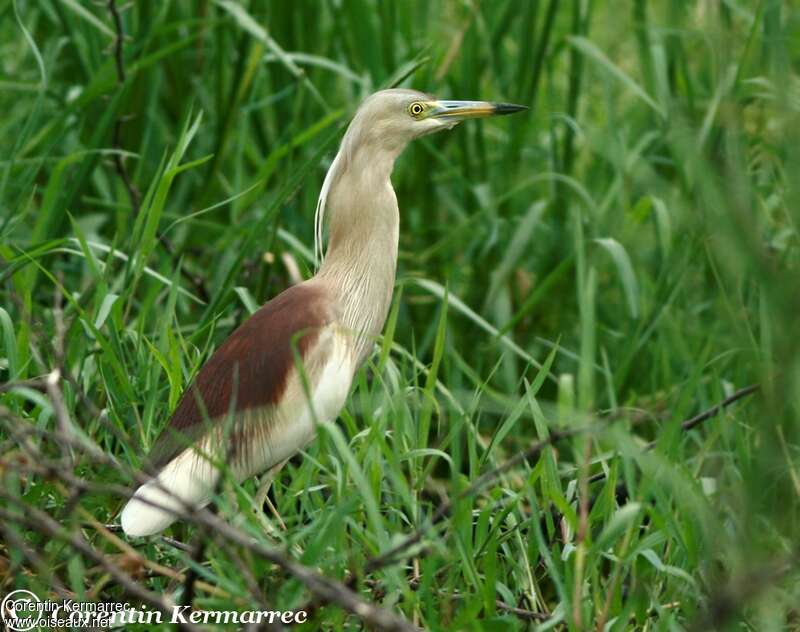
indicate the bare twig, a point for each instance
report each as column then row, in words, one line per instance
column 59, row 354
column 522, row 613
column 323, row 588
column 390, row 556
column 177, row 544
column 689, row 424
column 715, row 410
column 157, row 568
column 119, row 59
column 35, row 383
column 46, row 570
column 191, row 577
column 134, row 194
column 41, row 522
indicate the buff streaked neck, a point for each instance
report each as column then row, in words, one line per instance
column 364, row 225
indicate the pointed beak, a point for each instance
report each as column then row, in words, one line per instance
column 460, row 110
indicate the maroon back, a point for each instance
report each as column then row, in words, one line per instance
column 249, row 370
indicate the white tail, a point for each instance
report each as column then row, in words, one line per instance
column 186, row 480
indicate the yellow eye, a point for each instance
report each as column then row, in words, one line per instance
column 416, row 108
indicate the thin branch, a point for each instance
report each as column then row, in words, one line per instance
column 46, row 570
column 376, row 586
column 120, row 35
column 323, row 588
column 157, row 568
column 119, row 58
column 41, row 521
column 389, row 556
column 715, row 410
column 692, row 422
column 34, row 383
column 522, row 613
column 119, row 163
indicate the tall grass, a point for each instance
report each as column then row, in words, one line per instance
column 626, row 251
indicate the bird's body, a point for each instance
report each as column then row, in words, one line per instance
column 257, row 400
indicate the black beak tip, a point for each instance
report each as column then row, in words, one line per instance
column 508, row 108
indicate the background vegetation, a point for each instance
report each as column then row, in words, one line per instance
column 622, row 257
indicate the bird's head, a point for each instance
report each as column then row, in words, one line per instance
column 383, row 125
column 395, row 117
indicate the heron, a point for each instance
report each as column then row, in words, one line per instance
column 258, row 399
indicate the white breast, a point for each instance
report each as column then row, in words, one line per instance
column 329, row 369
